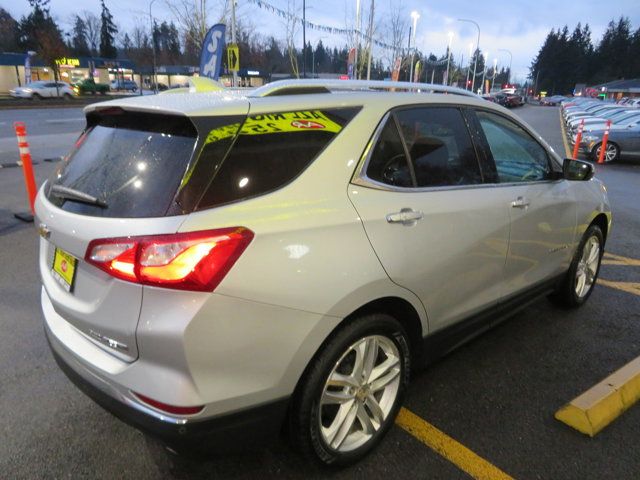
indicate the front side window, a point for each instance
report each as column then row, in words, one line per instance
column 518, row 157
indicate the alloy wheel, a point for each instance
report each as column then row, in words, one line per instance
column 587, row 266
column 359, row 393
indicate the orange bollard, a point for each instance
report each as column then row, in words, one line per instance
column 576, row 147
column 605, row 138
column 25, row 159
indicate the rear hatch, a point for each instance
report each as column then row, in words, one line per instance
column 121, row 179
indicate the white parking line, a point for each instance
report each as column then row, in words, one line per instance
column 66, row 120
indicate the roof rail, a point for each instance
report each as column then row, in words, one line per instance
column 298, row 87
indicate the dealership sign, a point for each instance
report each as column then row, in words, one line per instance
column 68, row 62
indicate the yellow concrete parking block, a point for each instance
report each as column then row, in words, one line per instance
column 466, row 460
column 600, row 405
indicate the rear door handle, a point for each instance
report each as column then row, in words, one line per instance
column 520, row 202
column 406, row 216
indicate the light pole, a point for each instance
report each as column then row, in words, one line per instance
column 485, row 55
column 510, row 62
column 446, row 81
column 415, row 15
column 153, row 45
column 469, row 68
column 355, row 59
column 495, row 65
column 304, row 38
column 370, row 41
column 475, row 65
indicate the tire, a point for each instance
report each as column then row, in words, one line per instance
column 611, row 154
column 66, row 97
column 570, row 293
column 320, row 412
column 36, row 98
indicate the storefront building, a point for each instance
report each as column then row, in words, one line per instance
column 15, row 71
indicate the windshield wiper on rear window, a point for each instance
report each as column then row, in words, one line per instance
column 76, row 195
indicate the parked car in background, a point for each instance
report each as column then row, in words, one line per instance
column 514, row 100
column 221, row 266
column 490, row 98
column 89, row 85
column 127, row 85
column 622, row 141
column 553, row 100
column 43, row 89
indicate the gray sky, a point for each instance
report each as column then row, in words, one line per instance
column 516, row 26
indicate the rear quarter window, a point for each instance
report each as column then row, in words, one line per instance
column 270, row 150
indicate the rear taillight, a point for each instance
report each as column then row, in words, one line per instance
column 185, row 261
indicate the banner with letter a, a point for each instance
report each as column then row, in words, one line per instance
column 212, row 52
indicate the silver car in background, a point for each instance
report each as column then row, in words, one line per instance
column 42, row 89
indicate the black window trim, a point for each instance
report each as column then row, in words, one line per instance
column 361, row 179
column 487, row 149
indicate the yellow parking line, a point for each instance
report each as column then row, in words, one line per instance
column 567, row 150
column 600, row 405
column 611, row 259
column 629, row 287
column 466, row 460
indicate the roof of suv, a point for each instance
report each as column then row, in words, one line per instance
column 296, row 94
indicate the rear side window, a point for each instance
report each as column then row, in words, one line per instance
column 439, row 148
column 132, row 162
column 270, row 150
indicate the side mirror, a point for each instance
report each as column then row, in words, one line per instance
column 577, row 170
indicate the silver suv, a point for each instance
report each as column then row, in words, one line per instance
column 221, row 266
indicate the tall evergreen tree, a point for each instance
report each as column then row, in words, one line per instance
column 79, row 43
column 40, row 33
column 8, row 32
column 108, row 31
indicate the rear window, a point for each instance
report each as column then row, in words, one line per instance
column 132, row 162
column 270, row 150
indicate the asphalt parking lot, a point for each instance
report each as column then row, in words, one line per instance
column 495, row 396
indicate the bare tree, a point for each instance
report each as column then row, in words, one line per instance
column 291, row 30
column 395, row 29
column 191, row 15
column 93, row 24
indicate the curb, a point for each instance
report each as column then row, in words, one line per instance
column 596, row 408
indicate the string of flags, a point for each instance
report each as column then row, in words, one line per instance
column 333, row 30
column 314, row 26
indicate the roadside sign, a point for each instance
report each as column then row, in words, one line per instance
column 233, row 57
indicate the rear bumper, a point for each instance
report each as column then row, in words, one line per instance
column 232, row 432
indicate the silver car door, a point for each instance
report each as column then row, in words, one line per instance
column 435, row 226
column 541, row 205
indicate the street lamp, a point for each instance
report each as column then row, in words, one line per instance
column 495, row 65
column 355, row 59
column 469, row 67
column 475, row 65
column 153, row 45
column 446, row 82
column 415, row 15
column 485, row 55
column 510, row 62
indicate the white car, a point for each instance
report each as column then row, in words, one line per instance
column 43, row 89
column 219, row 266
